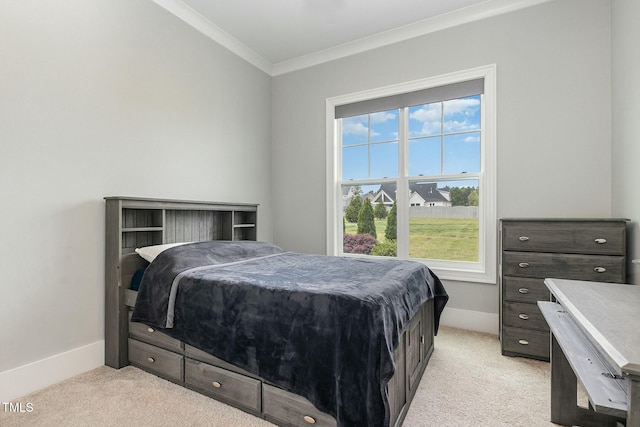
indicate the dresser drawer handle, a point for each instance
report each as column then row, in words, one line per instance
column 151, row 359
column 523, row 316
column 600, row 241
column 599, row 269
column 216, row 384
column 151, row 330
column 523, row 265
column 523, row 342
column 309, row 420
column 523, row 238
column 523, row 290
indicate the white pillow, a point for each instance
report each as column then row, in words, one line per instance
column 151, row 252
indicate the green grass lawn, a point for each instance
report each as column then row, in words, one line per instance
column 437, row 238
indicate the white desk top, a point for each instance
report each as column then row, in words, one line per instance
column 609, row 314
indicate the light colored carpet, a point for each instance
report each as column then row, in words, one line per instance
column 467, row 383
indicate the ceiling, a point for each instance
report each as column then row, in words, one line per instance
column 280, row 36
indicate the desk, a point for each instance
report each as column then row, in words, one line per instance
column 604, row 319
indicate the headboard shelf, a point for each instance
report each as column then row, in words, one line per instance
column 135, row 222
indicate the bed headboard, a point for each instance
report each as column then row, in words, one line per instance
column 135, row 222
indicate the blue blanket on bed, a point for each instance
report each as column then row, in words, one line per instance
column 319, row 326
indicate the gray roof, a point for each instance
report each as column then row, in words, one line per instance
column 427, row 190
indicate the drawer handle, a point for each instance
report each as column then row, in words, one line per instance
column 523, row 316
column 523, row 342
column 216, row 384
column 523, row 265
column 309, row 420
column 523, row 290
column 151, row 359
column 599, row 269
column 523, row 238
column 600, row 241
column 151, row 330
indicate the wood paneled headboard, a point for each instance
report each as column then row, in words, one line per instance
column 136, row 222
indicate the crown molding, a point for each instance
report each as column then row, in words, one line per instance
column 215, row 33
column 468, row 14
column 448, row 20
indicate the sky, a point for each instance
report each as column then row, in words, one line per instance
column 444, row 138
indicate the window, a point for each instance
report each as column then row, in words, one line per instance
column 412, row 174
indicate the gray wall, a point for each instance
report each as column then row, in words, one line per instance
column 554, row 122
column 626, row 126
column 99, row 98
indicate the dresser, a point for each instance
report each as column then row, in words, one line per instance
column 534, row 249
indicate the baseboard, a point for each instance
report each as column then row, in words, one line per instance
column 470, row 320
column 37, row 375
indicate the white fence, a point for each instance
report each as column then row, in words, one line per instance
column 443, row 212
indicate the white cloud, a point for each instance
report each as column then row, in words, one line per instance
column 354, row 128
column 430, row 116
column 456, row 126
column 426, row 113
column 472, row 138
column 465, row 105
column 382, row 117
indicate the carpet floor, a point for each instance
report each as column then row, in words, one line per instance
column 467, row 383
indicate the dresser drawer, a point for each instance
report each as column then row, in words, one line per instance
column 162, row 362
column 523, row 315
column 150, row 335
column 223, row 384
column 525, row 342
column 291, row 410
column 597, row 268
column 584, row 237
column 524, row 289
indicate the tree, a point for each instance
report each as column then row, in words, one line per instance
column 354, row 205
column 391, row 233
column 380, row 211
column 366, row 222
column 472, row 199
column 462, row 196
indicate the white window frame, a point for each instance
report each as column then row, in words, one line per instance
column 482, row 271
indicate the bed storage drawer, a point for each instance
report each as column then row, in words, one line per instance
column 161, row 362
column 150, row 335
column 286, row 408
column 516, row 341
column 223, row 384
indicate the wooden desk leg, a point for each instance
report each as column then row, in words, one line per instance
column 564, row 388
column 633, row 404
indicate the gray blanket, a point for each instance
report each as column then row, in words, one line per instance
column 319, row 326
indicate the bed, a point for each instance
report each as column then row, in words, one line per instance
column 293, row 338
